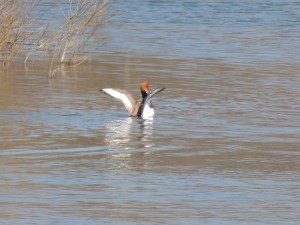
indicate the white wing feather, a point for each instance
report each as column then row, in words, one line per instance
column 122, row 95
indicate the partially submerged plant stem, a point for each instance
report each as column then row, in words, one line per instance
column 13, row 27
column 19, row 31
column 83, row 19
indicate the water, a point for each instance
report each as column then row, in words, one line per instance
column 237, row 31
column 223, row 147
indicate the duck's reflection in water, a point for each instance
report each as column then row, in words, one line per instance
column 146, row 132
column 129, row 133
column 119, row 132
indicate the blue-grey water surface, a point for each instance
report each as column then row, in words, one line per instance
column 223, row 147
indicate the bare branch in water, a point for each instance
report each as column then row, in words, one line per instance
column 82, row 20
column 14, row 21
column 19, row 32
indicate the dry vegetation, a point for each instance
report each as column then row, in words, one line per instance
column 81, row 20
column 14, row 20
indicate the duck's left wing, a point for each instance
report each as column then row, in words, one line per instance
column 128, row 100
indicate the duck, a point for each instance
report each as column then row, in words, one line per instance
column 143, row 109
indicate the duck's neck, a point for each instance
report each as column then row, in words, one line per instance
column 144, row 95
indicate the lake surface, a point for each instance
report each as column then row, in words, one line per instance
column 223, row 147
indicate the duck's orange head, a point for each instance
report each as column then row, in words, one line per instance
column 144, row 88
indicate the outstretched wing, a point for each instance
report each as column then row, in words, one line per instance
column 123, row 95
column 149, row 96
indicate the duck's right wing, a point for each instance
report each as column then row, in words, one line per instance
column 149, row 96
column 123, row 95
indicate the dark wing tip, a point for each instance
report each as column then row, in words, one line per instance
column 103, row 91
column 157, row 90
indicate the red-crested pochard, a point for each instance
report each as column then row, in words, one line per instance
column 142, row 109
